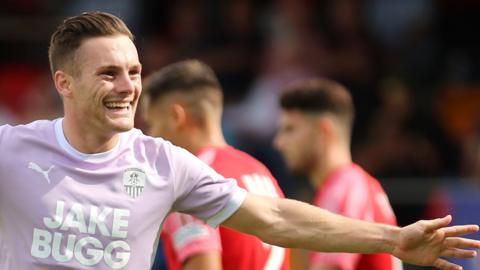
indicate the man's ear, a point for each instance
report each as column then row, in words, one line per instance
column 329, row 129
column 325, row 126
column 63, row 83
column 179, row 115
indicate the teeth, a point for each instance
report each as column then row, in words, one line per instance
column 117, row 105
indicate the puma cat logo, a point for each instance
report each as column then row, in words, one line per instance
column 34, row 166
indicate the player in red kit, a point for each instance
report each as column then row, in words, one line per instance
column 184, row 105
column 314, row 138
column 352, row 192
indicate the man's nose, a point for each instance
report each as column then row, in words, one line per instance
column 125, row 83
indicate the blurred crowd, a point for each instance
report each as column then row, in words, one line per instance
column 413, row 67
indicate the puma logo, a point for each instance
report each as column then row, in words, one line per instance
column 34, row 166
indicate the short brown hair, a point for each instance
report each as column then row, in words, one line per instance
column 183, row 76
column 69, row 35
column 318, row 96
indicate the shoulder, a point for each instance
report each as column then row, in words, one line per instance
column 346, row 187
column 37, row 129
column 148, row 144
column 231, row 162
column 368, row 180
column 155, row 150
column 350, row 177
column 240, row 159
column 35, row 125
column 369, row 193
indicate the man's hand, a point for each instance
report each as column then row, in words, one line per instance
column 424, row 242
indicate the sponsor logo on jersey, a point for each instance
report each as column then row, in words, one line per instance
column 134, row 182
column 90, row 235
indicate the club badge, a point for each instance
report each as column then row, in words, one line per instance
column 134, row 182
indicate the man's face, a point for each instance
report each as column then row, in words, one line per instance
column 106, row 84
column 296, row 140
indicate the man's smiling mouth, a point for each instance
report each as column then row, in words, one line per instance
column 118, row 105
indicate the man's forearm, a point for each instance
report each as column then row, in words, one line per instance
column 291, row 223
column 325, row 231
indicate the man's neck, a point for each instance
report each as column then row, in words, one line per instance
column 211, row 138
column 334, row 160
column 88, row 142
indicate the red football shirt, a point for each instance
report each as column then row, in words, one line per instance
column 185, row 236
column 352, row 192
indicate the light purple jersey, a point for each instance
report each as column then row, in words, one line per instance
column 62, row 209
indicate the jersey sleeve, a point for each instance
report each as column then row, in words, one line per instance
column 202, row 192
column 190, row 236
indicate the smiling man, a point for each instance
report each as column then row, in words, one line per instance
column 88, row 191
column 104, row 94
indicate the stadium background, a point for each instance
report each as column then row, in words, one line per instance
column 413, row 67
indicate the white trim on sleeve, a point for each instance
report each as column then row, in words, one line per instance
column 231, row 207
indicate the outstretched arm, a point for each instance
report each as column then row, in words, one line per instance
column 290, row 223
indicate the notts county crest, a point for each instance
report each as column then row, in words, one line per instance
column 134, row 182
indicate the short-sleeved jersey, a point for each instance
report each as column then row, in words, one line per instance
column 184, row 236
column 62, row 209
column 352, row 192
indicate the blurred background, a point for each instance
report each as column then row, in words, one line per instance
column 412, row 66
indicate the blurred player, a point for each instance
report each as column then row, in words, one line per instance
column 314, row 139
column 88, row 191
column 184, row 104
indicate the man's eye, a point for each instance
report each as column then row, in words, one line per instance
column 108, row 73
column 134, row 72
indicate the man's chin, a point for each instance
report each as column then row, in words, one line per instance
column 124, row 129
column 121, row 126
